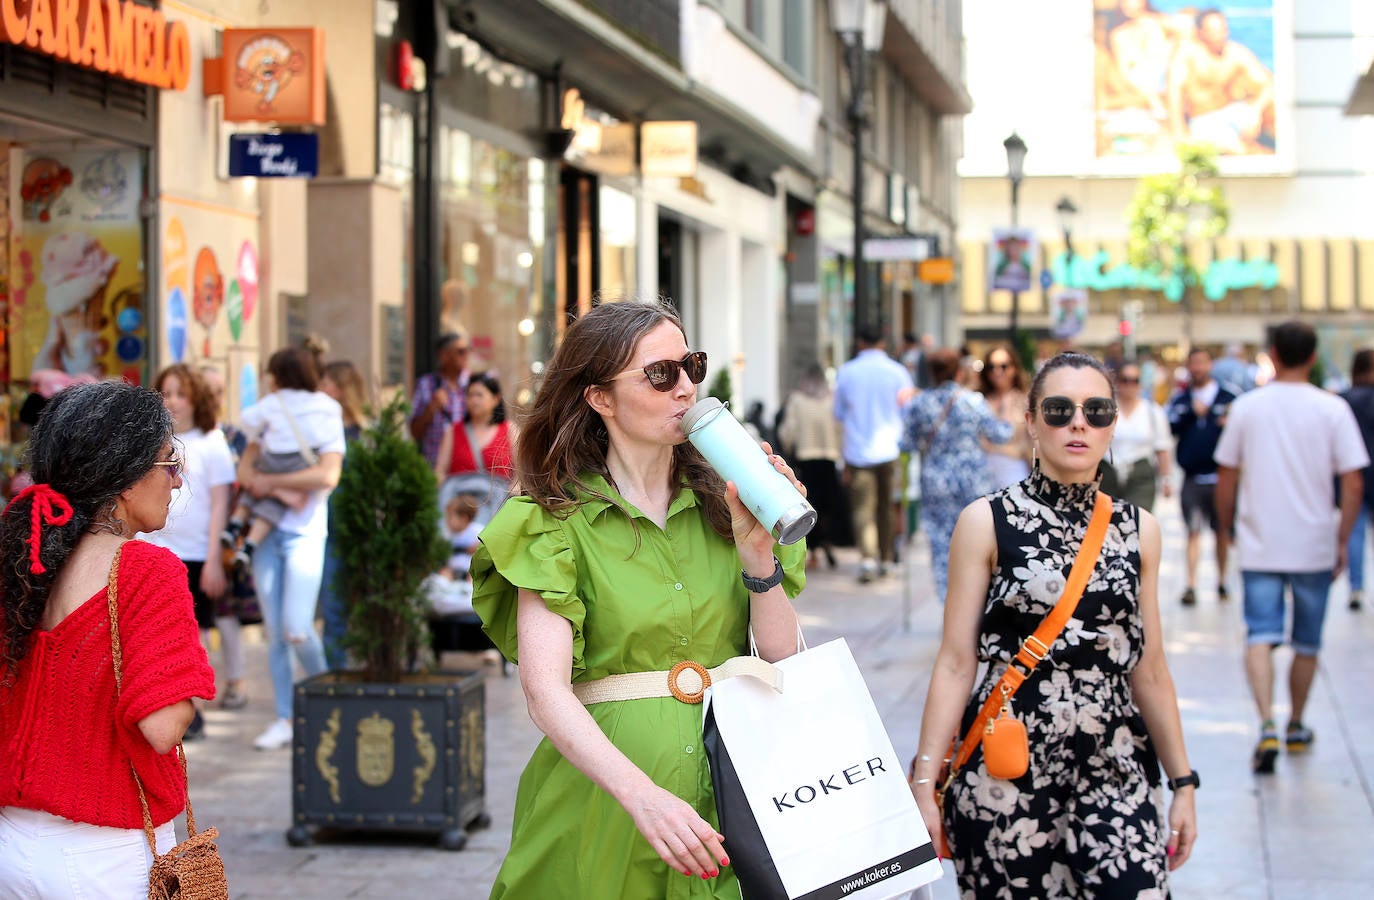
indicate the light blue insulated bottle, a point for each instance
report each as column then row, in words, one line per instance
column 736, row 457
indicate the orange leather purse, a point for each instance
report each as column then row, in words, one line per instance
column 1006, row 748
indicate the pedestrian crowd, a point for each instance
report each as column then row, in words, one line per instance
column 1051, row 728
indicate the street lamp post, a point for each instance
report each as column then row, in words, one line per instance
column 1016, row 161
column 1066, row 210
column 860, row 24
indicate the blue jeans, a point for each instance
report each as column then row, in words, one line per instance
column 1264, row 608
column 333, row 609
column 1355, row 549
column 288, row 568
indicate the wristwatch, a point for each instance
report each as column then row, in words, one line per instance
column 1192, row 779
column 763, row 585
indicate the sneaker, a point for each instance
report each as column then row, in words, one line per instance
column 1356, row 599
column 867, row 570
column 1266, row 751
column 230, row 535
column 196, row 730
column 243, row 558
column 1189, row 597
column 278, row 735
column 234, row 698
column 1221, row 593
column 1298, row 737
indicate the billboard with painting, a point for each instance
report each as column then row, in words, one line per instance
column 1174, row 70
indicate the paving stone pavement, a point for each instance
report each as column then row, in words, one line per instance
column 1303, row 833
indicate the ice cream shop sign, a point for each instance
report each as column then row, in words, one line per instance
column 119, row 37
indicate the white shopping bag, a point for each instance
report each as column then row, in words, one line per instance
column 813, row 802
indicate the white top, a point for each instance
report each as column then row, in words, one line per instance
column 1289, row 441
column 319, row 419
column 208, row 464
column 1140, row 435
column 866, row 404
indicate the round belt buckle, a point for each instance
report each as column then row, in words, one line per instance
column 695, row 696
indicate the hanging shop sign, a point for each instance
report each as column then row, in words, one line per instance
column 274, row 155
column 269, row 75
column 1099, row 273
column 936, row 270
column 118, row 37
column 668, row 148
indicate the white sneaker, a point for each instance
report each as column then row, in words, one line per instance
column 277, row 735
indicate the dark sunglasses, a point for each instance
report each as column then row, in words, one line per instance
column 999, row 366
column 663, row 374
column 1127, row 379
column 1099, row 412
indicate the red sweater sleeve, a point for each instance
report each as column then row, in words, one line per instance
column 164, row 662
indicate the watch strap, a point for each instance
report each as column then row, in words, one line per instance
column 763, row 585
column 1192, row 779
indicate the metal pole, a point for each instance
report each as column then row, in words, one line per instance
column 855, row 56
column 1015, row 295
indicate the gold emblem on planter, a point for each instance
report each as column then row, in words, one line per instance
column 424, row 745
column 376, row 750
column 324, row 752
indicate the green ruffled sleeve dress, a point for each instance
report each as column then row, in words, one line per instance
column 636, row 604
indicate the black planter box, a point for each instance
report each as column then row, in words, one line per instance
column 407, row 756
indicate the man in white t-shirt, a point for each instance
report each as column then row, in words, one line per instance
column 1283, row 446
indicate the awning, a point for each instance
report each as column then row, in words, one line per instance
column 1361, row 102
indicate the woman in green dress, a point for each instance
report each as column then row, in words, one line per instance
column 623, row 554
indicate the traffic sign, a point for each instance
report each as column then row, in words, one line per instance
column 1046, row 279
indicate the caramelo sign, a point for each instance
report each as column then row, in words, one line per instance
column 118, row 37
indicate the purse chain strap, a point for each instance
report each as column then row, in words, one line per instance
column 117, row 657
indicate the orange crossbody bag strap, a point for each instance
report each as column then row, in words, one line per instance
column 1037, row 646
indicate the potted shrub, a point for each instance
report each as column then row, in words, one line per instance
column 387, row 744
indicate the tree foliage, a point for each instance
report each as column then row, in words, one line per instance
column 386, row 528
column 1172, row 209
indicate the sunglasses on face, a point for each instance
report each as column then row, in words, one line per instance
column 1127, row 379
column 663, row 374
column 1000, row 366
column 1099, row 412
column 173, row 466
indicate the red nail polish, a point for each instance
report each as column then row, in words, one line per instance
column 715, row 873
column 703, row 876
column 725, row 860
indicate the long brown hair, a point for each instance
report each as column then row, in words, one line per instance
column 352, row 390
column 562, row 439
column 1018, row 375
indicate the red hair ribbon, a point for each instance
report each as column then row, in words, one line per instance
column 48, row 506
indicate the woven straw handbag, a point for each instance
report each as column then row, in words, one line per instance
column 192, row 870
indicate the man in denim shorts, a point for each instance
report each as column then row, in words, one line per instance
column 1281, row 450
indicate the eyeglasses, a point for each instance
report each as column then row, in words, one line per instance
column 663, row 374
column 462, row 350
column 1099, row 412
column 173, row 466
column 1127, row 379
column 1001, row 366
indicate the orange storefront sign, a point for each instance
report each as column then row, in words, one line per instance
column 936, row 270
column 270, row 75
column 118, row 37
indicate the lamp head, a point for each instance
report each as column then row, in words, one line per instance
column 1066, row 210
column 1016, row 157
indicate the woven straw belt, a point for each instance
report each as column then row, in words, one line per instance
column 687, row 681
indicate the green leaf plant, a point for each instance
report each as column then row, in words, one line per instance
column 386, row 530
column 1173, row 209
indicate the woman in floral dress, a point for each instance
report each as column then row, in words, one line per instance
column 1087, row 819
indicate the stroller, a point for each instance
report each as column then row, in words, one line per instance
column 453, row 624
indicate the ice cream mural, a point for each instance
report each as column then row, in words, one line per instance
column 208, row 296
column 77, row 306
column 75, row 270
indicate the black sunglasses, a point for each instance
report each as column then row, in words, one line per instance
column 1099, row 412
column 663, row 374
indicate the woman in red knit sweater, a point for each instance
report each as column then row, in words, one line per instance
column 104, row 467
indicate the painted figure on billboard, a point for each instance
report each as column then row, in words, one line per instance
column 1166, row 70
column 1220, row 92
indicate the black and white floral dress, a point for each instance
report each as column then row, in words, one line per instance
column 1086, row 819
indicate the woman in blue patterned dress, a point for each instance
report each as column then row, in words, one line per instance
column 944, row 424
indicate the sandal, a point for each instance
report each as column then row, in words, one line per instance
column 1267, row 751
column 1298, row 738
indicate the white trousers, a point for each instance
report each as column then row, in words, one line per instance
column 46, row 857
